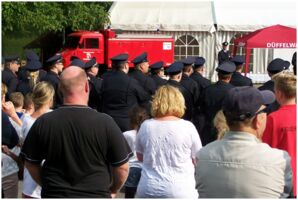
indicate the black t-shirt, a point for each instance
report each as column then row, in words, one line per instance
column 79, row 146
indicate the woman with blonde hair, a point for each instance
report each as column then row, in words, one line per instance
column 42, row 97
column 167, row 145
column 220, row 124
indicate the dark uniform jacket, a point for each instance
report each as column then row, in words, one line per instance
column 238, row 80
column 187, row 97
column 95, row 92
column 145, row 81
column 158, row 80
column 54, row 79
column 192, row 87
column 223, row 56
column 212, row 99
column 24, row 86
column 269, row 85
column 10, row 80
column 120, row 94
column 201, row 81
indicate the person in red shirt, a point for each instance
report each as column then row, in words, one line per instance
column 280, row 130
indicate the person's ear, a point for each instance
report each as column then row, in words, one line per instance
column 87, row 86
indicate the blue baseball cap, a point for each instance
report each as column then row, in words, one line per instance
column 33, row 65
column 157, row 65
column 91, row 63
column 244, row 102
column 238, row 60
column 31, row 55
column 55, row 59
column 77, row 62
column 226, row 67
column 199, row 62
column 276, row 65
column 175, row 68
column 120, row 58
column 141, row 58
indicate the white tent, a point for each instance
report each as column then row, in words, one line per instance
column 199, row 27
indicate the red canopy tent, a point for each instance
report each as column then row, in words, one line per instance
column 277, row 36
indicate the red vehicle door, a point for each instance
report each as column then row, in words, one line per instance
column 91, row 47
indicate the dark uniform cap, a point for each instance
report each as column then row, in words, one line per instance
column 276, row 65
column 73, row 57
column 238, row 60
column 92, row 62
column 33, row 65
column 200, row 61
column 244, row 102
column 226, row 67
column 120, row 58
column 157, row 65
column 141, row 58
column 225, row 43
column 77, row 62
column 175, row 68
column 188, row 61
column 12, row 58
column 31, row 55
column 55, row 59
column 286, row 64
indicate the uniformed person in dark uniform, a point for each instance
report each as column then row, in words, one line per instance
column 175, row 75
column 157, row 72
column 237, row 78
column 202, row 82
column 212, row 99
column 31, row 73
column 224, row 54
column 121, row 93
column 190, row 85
column 140, row 73
column 275, row 66
column 9, row 74
column 55, row 68
column 95, row 83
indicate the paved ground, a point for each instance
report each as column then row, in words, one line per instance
column 119, row 195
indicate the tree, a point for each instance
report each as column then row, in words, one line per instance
column 23, row 18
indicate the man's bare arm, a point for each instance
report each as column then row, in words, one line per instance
column 35, row 171
column 119, row 177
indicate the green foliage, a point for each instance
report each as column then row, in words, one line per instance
column 39, row 17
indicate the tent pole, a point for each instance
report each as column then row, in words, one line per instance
column 247, row 57
column 234, row 50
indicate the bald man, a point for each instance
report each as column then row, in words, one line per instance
column 78, row 146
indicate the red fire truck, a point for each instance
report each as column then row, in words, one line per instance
column 105, row 44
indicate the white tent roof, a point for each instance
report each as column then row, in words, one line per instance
column 201, row 15
column 252, row 15
column 167, row 16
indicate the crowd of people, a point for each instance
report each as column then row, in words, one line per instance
column 69, row 132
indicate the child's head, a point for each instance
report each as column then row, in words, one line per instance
column 28, row 104
column 285, row 82
column 137, row 116
column 17, row 98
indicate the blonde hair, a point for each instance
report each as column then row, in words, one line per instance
column 285, row 82
column 42, row 93
column 33, row 78
column 168, row 101
column 3, row 90
column 17, row 99
column 220, row 124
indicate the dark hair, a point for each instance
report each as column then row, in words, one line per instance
column 222, row 76
column 137, row 116
column 118, row 65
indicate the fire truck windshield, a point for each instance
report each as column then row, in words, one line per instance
column 72, row 42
